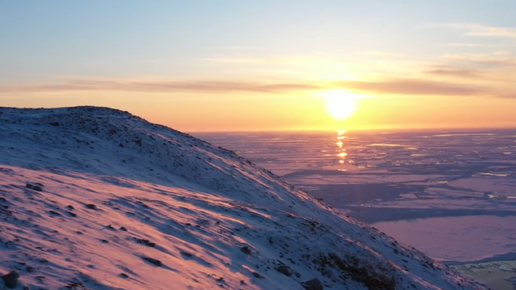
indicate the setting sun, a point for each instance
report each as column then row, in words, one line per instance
column 340, row 104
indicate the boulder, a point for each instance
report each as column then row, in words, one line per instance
column 285, row 270
column 34, row 186
column 153, row 261
column 11, row 279
column 313, row 284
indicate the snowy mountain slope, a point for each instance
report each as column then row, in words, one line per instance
column 116, row 202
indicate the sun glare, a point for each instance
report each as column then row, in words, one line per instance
column 340, row 104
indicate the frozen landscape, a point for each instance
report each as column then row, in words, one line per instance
column 451, row 195
column 96, row 198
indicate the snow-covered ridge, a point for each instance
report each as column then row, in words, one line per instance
column 115, row 202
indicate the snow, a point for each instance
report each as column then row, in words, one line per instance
column 119, row 193
column 487, row 236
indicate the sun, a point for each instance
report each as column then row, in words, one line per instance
column 340, row 104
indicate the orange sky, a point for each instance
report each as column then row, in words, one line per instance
column 243, row 67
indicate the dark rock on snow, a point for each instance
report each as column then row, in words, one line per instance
column 35, row 186
column 246, row 250
column 11, row 279
column 153, row 261
column 285, row 270
column 186, row 254
column 91, row 206
column 313, row 284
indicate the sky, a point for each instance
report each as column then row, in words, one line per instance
column 265, row 65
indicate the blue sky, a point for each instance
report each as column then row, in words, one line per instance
column 48, row 43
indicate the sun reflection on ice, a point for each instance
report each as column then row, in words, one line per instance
column 342, row 151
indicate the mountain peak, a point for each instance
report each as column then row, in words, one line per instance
column 91, row 110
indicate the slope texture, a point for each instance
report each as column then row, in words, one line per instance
column 96, row 198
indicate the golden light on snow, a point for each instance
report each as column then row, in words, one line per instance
column 340, row 104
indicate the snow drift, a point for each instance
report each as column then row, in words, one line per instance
column 96, row 198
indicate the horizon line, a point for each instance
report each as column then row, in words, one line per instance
column 457, row 129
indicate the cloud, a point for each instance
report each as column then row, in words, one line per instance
column 508, row 95
column 412, row 87
column 496, row 61
column 463, row 73
column 474, row 29
column 208, row 86
column 423, row 87
column 388, row 86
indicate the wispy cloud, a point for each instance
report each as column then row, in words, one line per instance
column 381, row 86
column 485, row 60
column 474, row 29
column 508, row 95
column 412, row 87
column 209, row 86
column 423, row 87
column 463, row 73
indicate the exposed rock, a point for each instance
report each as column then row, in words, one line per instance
column 285, row 270
column 145, row 242
column 186, row 254
column 34, row 186
column 75, row 285
column 11, row 279
column 258, row 275
column 246, row 250
column 313, row 284
column 91, row 206
column 55, row 213
column 153, row 261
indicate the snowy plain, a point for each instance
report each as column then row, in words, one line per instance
column 96, row 198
